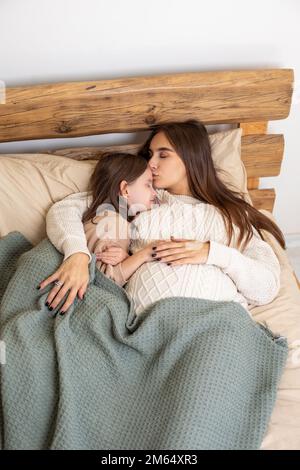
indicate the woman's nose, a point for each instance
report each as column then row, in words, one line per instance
column 151, row 164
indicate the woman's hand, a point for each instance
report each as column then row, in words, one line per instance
column 74, row 274
column 113, row 254
column 182, row 251
column 148, row 252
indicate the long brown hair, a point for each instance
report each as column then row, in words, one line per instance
column 104, row 184
column 191, row 142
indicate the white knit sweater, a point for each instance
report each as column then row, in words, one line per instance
column 250, row 278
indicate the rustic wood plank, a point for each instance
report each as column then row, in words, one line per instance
column 249, row 128
column 262, row 154
column 263, row 198
column 252, row 183
column 74, row 109
column 254, row 127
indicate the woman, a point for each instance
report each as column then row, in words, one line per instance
column 179, row 157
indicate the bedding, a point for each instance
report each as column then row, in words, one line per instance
column 283, row 315
column 187, row 374
column 31, row 183
column 23, row 208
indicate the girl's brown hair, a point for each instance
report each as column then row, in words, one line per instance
column 191, row 142
column 104, row 184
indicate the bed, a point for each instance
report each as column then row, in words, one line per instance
column 245, row 99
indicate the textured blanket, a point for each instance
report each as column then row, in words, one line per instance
column 186, row 374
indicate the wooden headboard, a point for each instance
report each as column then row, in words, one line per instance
column 245, row 98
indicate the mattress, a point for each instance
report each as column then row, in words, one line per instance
column 282, row 315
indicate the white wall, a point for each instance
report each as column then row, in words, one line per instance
column 59, row 40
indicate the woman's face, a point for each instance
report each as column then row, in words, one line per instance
column 167, row 167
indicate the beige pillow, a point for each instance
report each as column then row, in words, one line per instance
column 226, row 154
column 31, row 183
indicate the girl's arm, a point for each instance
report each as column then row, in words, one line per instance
column 121, row 272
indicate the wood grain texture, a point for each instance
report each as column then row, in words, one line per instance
column 263, row 198
column 262, row 154
column 249, row 128
column 74, row 109
column 254, row 127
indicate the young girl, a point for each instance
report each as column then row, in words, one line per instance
column 120, row 187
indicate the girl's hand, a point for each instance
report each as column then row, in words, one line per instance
column 113, row 254
column 182, row 251
column 74, row 274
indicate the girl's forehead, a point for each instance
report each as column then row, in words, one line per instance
column 147, row 175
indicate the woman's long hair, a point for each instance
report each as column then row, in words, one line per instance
column 191, row 142
column 104, row 184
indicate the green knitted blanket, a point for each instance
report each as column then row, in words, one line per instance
column 187, row 374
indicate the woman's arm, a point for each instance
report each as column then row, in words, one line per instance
column 64, row 224
column 255, row 271
column 65, row 230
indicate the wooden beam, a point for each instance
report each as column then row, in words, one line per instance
column 74, row 109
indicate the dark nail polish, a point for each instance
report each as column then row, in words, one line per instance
column 154, row 254
column 47, row 304
column 50, row 308
column 154, row 248
column 38, row 287
column 168, row 264
column 158, row 259
column 61, row 313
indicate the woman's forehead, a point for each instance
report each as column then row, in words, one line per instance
column 160, row 142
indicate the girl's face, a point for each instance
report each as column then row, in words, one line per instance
column 167, row 167
column 140, row 193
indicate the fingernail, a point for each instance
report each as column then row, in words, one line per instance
column 61, row 313
column 50, row 308
column 38, row 287
column 168, row 264
column 154, row 248
column 154, row 254
column 47, row 303
column 158, row 259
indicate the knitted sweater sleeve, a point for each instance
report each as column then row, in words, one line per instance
column 64, row 225
column 255, row 271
